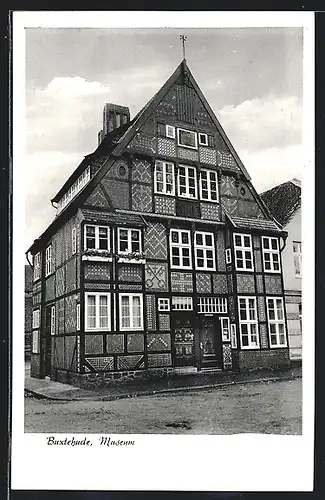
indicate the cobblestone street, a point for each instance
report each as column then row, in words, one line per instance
column 265, row 407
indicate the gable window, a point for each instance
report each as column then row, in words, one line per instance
column 211, row 305
column 180, row 248
column 96, row 237
column 74, row 240
column 164, row 178
column 248, row 323
column 170, row 131
column 163, row 304
column 129, row 240
column 275, row 316
column 187, row 183
column 203, row 139
column 187, row 138
column 182, row 303
column 208, row 185
column 243, row 252
column 271, row 254
column 48, row 260
column 52, row 320
column 297, row 258
column 204, row 251
column 37, row 266
column 131, row 311
column 97, row 309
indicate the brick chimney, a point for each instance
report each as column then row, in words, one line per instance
column 114, row 116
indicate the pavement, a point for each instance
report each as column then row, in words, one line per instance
column 178, row 383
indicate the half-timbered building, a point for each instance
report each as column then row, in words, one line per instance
column 161, row 255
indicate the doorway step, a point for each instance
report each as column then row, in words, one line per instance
column 209, row 362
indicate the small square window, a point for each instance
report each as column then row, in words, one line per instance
column 170, row 131
column 163, row 304
column 203, row 139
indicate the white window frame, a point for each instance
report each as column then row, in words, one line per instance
column 129, row 249
column 187, row 186
column 180, row 246
column 170, row 131
column 74, row 240
column 243, row 249
column 181, row 303
column 37, row 266
column 297, row 257
column 272, row 252
column 83, row 179
column 225, row 329
column 97, row 328
column 206, row 139
column 233, row 335
column 205, row 248
column 48, row 260
column 209, row 190
column 185, row 145
column 163, row 304
column 78, row 317
column 165, row 164
column 212, row 305
column 36, row 342
column 132, row 327
column 52, row 320
column 276, row 322
column 249, row 322
column 228, row 255
column 97, row 228
column 36, row 318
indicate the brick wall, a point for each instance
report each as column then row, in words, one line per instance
column 250, row 360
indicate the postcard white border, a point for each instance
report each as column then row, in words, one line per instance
column 159, row 462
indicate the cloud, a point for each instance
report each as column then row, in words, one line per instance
column 272, row 166
column 45, row 174
column 74, row 87
column 263, row 123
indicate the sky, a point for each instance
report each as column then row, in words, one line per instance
column 251, row 77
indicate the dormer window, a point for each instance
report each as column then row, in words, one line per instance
column 203, row 139
column 129, row 241
column 187, row 138
column 96, row 237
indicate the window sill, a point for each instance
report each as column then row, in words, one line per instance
column 186, row 146
column 278, row 346
column 250, row 348
column 244, row 270
column 132, row 329
column 92, row 330
column 269, row 271
column 126, row 260
column 164, row 194
column 97, row 258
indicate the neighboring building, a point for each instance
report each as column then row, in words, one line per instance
column 28, row 308
column 284, row 202
column 162, row 254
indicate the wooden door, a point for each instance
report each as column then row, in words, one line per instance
column 183, row 339
column 48, row 340
column 210, row 342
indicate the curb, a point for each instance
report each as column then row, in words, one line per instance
column 160, row 391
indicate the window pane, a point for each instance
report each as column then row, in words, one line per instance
column 103, row 311
column 125, row 312
column 91, row 311
column 136, row 312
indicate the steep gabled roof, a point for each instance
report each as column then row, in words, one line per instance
column 110, row 149
column 283, row 200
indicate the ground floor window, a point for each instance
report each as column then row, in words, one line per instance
column 131, row 311
column 182, row 303
column 275, row 316
column 98, row 311
column 36, row 342
column 248, row 323
column 210, row 305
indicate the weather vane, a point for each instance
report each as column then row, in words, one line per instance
column 183, row 38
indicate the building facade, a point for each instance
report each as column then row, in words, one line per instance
column 284, row 202
column 28, row 309
column 161, row 255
